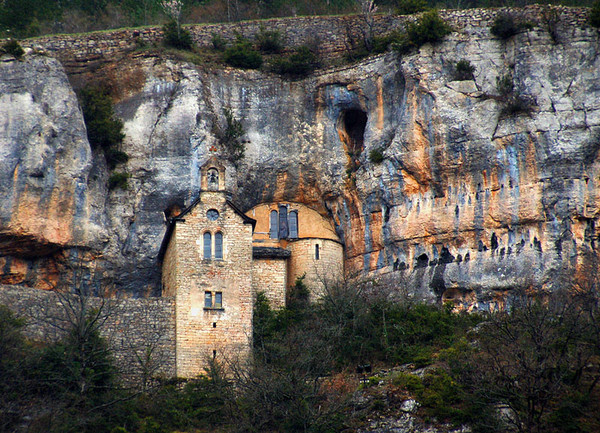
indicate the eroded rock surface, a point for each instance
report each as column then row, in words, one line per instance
column 468, row 203
column 45, row 161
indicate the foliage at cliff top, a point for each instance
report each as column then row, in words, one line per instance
column 24, row 18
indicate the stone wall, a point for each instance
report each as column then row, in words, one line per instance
column 270, row 276
column 333, row 34
column 224, row 331
column 326, row 269
column 169, row 268
column 131, row 326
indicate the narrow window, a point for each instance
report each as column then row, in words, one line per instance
column 207, row 299
column 293, row 220
column 283, row 222
column 219, row 245
column 207, row 245
column 317, row 253
column 218, row 300
column 274, row 233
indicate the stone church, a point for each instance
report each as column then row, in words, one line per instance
column 215, row 258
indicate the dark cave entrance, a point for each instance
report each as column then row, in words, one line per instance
column 351, row 127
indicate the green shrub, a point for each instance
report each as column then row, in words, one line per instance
column 513, row 102
column 118, row 180
column 269, row 41
column 439, row 395
column 299, row 64
column 430, row 28
column 230, row 136
column 504, row 26
column 594, row 17
column 505, row 85
column 409, row 382
column 177, row 37
column 13, row 48
column 243, row 55
column 517, row 104
column 115, row 157
column 409, row 7
column 382, row 43
column 103, row 129
column 463, row 70
column 376, row 155
column 218, row 42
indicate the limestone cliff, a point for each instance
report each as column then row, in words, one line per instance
column 469, row 202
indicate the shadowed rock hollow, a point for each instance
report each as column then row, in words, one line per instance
column 468, row 203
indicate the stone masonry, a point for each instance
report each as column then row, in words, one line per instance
column 336, row 34
column 204, row 331
column 132, row 327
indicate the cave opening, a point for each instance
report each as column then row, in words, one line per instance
column 351, row 126
column 422, row 261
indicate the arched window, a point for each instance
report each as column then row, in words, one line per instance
column 207, row 245
column 218, row 245
column 212, row 177
column 274, row 219
column 293, row 223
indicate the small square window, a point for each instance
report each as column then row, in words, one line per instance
column 213, row 300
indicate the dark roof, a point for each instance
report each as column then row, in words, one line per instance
column 270, row 253
column 171, row 224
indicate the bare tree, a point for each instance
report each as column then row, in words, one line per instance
column 531, row 359
column 368, row 8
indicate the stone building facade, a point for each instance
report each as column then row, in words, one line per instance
column 215, row 259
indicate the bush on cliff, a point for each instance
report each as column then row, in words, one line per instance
column 13, row 48
column 376, row 155
column 230, row 136
column 118, row 180
column 177, row 37
column 299, row 64
column 104, row 130
column 463, row 70
column 505, row 26
column 430, row 28
column 513, row 102
column 269, row 41
column 243, row 55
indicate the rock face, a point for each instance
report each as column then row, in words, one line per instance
column 469, row 202
column 45, row 162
